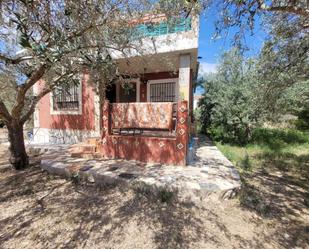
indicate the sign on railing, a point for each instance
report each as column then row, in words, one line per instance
column 142, row 115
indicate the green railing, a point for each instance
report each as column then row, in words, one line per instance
column 163, row 28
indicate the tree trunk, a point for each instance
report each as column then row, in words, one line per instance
column 18, row 158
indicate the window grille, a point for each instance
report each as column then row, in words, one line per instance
column 163, row 28
column 163, row 92
column 66, row 99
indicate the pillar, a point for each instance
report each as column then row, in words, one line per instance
column 185, row 82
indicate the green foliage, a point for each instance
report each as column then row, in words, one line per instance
column 227, row 111
column 279, row 136
column 245, row 93
column 246, row 163
column 302, row 123
column 272, row 149
column 166, row 196
column 272, row 87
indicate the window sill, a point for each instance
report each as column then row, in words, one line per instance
column 77, row 112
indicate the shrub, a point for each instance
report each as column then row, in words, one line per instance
column 302, row 123
column 278, row 136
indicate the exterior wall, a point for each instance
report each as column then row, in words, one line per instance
column 67, row 128
column 164, row 150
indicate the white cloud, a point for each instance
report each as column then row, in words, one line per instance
column 207, row 68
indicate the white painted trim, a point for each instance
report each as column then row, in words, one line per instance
column 97, row 112
column 36, row 115
column 150, row 82
column 80, row 101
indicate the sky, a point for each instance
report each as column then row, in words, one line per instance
column 210, row 49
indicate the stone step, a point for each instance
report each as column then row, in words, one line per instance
column 87, row 155
column 83, row 148
column 93, row 141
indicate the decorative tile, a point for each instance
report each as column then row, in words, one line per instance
column 180, row 146
column 182, row 120
column 104, row 118
column 182, row 131
column 161, row 144
column 182, row 108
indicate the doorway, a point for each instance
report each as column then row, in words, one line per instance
column 127, row 92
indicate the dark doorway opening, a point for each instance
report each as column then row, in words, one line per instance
column 127, row 93
column 111, row 93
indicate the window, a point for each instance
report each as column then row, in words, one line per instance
column 67, row 100
column 164, row 91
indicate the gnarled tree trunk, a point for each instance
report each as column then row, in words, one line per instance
column 18, row 158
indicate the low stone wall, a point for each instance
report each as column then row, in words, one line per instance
column 58, row 136
column 3, row 135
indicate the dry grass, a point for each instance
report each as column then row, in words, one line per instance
column 42, row 211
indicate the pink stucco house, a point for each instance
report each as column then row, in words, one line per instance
column 153, row 120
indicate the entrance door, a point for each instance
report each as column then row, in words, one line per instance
column 111, row 93
column 127, row 93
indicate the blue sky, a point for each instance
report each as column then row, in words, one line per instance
column 210, row 49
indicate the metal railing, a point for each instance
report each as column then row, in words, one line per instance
column 162, row 28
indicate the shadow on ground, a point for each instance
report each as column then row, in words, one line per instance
column 42, row 211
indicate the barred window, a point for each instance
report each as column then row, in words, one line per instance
column 163, row 92
column 67, row 98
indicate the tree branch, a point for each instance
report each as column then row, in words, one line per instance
column 4, row 113
column 34, row 103
column 287, row 8
column 14, row 61
column 37, row 98
column 23, row 89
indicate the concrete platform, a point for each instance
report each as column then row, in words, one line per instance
column 211, row 174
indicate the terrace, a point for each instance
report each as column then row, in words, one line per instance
column 147, row 132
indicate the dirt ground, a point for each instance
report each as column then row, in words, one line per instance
column 42, row 211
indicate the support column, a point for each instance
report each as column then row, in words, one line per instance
column 138, row 90
column 182, row 132
column 184, row 77
column 97, row 114
column 106, row 119
column 185, row 86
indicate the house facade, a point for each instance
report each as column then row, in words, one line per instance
column 142, row 119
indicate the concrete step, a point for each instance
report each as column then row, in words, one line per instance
column 83, row 148
column 93, row 141
column 87, row 155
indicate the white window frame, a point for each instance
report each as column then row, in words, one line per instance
column 170, row 80
column 69, row 112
